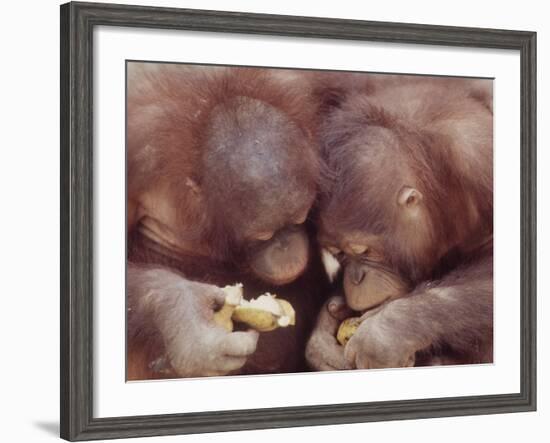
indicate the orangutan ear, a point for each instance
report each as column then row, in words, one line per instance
column 193, row 186
column 409, row 197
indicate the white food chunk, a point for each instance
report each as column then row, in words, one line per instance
column 233, row 294
column 265, row 302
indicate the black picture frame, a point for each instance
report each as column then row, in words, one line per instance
column 77, row 23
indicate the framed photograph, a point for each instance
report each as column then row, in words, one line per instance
column 273, row 221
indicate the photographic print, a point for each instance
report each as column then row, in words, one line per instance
column 302, row 207
column 287, row 220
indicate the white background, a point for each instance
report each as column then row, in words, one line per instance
column 29, row 183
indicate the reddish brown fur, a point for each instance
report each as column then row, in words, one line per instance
column 433, row 136
column 170, row 92
column 169, row 108
column 420, row 145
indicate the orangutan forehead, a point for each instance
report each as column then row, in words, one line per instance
column 254, row 143
column 257, row 159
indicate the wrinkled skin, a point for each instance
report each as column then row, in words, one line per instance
column 283, row 258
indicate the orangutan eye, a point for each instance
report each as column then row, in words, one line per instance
column 358, row 249
column 264, row 236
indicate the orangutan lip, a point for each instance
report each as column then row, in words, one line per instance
column 282, row 281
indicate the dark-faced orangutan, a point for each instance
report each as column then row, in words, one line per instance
column 223, row 168
column 408, row 218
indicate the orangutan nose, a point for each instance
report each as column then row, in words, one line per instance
column 357, row 274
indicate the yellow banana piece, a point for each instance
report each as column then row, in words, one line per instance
column 233, row 297
column 347, row 329
column 263, row 314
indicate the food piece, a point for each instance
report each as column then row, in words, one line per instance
column 233, row 297
column 347, row 329
column 289, row 313
column 263, row 314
